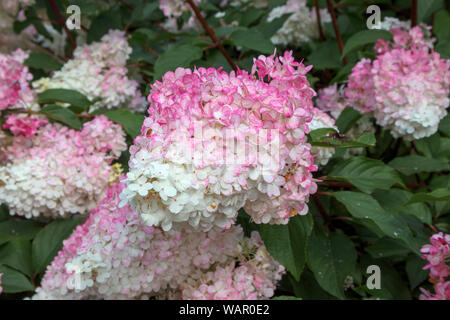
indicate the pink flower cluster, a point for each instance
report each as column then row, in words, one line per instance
column 23, row 125
column 14, row 76
column 177, row 175
column 405, row 88
column 437, row 255
column 114, row 256
column 58, row 171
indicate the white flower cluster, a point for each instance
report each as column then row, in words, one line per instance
column 322, row 120
column 300, row 27
column 60, row 171
column 99, row 70
column 114, row 256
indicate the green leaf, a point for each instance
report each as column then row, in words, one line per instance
column 287, row 243
column 387, row 247
column 61, row 114
column 17, row 254
column 4, row 213
column 13, row 281
column 39, row 60
column 49, row 241
column 426, row 8
column 392, row 285
column 347, row 119
column 429, row 146
column 105, row 21
column 18, row 228
column 143, row 12
column 131, row 122
column 308, row 288
column 414, row 270
column 441, row 194
column 365, row 174
column 444, row 125
column 397, row 200
column 443, row 47
column 413, row 164
column 441, row 25
column 268, row 29
column 364, row 37
column 69, row 96
column 326, row 56
column 330, row 138
column 332, row 259
column 363, row 206
column 179, row 56
column 252, row 39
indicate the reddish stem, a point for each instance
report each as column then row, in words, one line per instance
column 211, row 34
column 319, row 23
column 413, row 13
column 62, row 22
column 336, row 29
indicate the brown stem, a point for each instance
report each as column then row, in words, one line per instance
column 62, row 22
column 413, row 13
column 319, row 23
column 211, row 34
column 336, row 28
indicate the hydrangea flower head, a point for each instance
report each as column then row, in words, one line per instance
column 99, row 70
column 113, row 255
column 437, row 254
column 405, row 88
column 60, row 171
column 214, row 142
column 300, row 27
column 14, row 77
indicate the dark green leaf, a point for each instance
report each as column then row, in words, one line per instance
column 179, row 56
column 396, row 200
column 441, row 25
column 365, row 207
column 252, row 39
column 72, row 97
column 366, row 174
column 287, row 243
column 18, row 228
column 49, row 241
column 414, row 270
column 441, row 194
column 347, row 119
column 387, row 247
column 39, row 60
column 332, row 259
column 17, row 254
column 61, row 114
column 105, row 21
column 13, row 281
column 413, row 164
column 326, row 56
column 365, row 37
column 131, row 122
